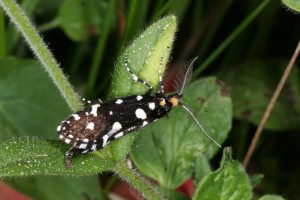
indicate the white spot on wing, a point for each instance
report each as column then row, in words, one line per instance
column 60, row 136
column 85, row 140
column 118, row 135
column 94, row 147
column 82, row 146
column 94, row 109
column 139, row 97
column 145, row 123
column 116, row 127
column 140, row 113
column 90, row 126
column 119, row 101
column 110, row 112
column 67, row 140
column 76, row 117
column 105, row 138
column 151, row 106
column 58, row 128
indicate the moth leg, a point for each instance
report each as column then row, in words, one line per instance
column 73, row 151
column 135, row 77
column 68, row 158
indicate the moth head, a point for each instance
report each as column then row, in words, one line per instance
column 174, row 99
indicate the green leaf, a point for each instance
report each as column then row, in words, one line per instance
column 252, row 85
column 26, row 156
column 167, row 150
column 78, row 18
column 271, row 197
column 230, row 181
column 292, row 4
column 202, row 168
column 29, row 102
column 58, row 188
column 144, row 56
column 172, row 194
column 255, row 179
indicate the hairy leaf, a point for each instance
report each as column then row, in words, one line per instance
column 26, row 156
column 292, row 4
column 144, row 55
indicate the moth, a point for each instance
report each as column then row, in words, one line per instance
column 96, row 125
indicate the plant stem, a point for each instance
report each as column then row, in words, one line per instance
column 13, row 36
column 147, row 190
column 231, row 37
column 269, row 109
column 100, row 47
column 48, row 26
column 39, row 48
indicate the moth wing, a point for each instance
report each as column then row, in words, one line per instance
column 82, row 127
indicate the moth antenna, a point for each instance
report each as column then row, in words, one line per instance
column 161, row 89
column 187, row 75
column 200, row 126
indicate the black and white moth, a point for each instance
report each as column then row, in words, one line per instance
column 99, row 123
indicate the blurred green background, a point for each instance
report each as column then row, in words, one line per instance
column 245, row 44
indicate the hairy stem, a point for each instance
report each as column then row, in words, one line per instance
column 147, row 190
